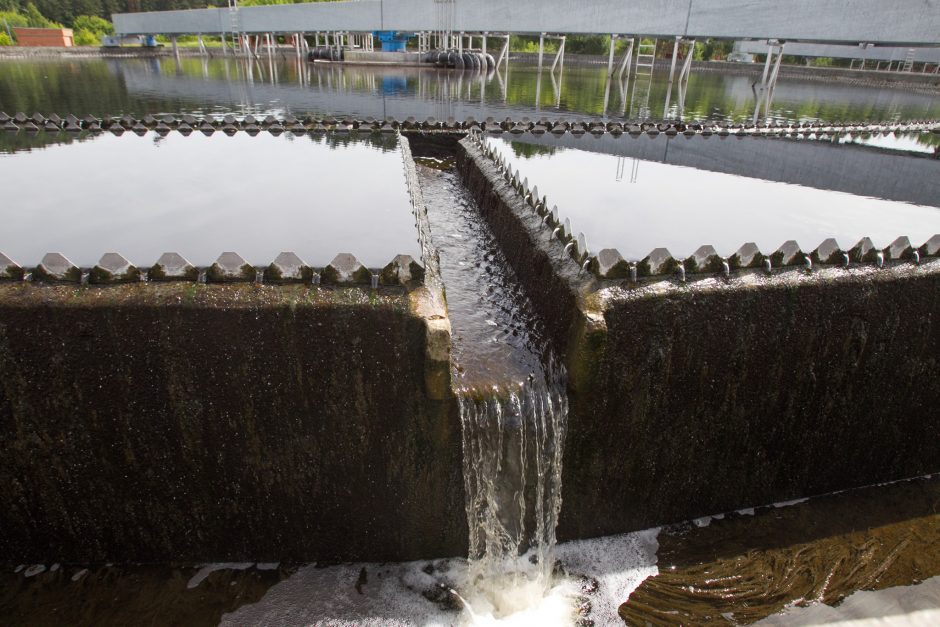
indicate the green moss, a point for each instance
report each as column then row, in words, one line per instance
column 669, row 266
column 389, row 274
column 248, row 272
column 272, row 274
column 74, row 275
column 99, row 275
column 362, row 275
column 907, row 253
column 14, row 272
column 833, row 259
column 329, row 276
column 214, row 274
column 620, row 270
column 417, row 272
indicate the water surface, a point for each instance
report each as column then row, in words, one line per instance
column 285, row 84
column 315, row 195
column 682, row 193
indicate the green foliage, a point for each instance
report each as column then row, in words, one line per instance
column 13, row 19
column 86, row 38
column 588, row 44
column 5, row 39
column 93, row 24
column 35, row 19
column 822, row 61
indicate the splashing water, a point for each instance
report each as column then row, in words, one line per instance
column 513, row 411
column 513, row 439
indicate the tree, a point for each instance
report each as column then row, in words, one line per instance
column 35, row 19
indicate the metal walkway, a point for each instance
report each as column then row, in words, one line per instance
column 908, row 23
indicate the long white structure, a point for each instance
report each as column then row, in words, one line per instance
column 908, row 23
column 892, row 54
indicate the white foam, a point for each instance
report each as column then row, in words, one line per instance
column 267, row 565
column 208, row 569
column 917, row 605
column 393, row 594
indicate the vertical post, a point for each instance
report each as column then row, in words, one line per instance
column 176, row 52
column 541, row 50
column 610, row 56
column 610, row 72
column 484, row 42
column 672, row 74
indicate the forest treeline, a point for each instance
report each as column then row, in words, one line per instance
column 65, row 11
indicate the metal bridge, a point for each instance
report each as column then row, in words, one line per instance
column 901, row 22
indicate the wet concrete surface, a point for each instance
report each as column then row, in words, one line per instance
column 129, row 594
column 744, row 567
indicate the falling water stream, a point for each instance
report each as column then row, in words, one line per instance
column 513, row 411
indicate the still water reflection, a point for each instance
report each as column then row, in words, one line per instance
column 199, row 196
column 638, row 203
column 286, row 84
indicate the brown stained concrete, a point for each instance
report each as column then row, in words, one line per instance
column 129, row 594
column 743, row 568
column 705, row 396
column 237, row 422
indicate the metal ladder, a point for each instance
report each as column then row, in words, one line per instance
column 234, row 25
column 908, row 61
column 642, row 80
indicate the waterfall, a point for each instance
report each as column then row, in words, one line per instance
column 513, row 440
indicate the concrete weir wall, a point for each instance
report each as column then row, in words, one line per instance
column 226, row 422
column 688, row 399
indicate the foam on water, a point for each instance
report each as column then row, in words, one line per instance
column 418, row 593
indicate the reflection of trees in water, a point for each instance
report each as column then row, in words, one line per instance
column 101, row 87
column 527, row 151
column 25, row 142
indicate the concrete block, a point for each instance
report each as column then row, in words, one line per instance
column 789, row 254
column 863, row 252
column 113, row 268
column 172, row 266
column 402, row 270
column 57, row 267
column 899, row 249
column 704, row 260
column 230, row 266
column 828, row 252
column 9, row 269
column 287, row 267
column 659, row 261
column 930, row 248
column 748, row 256
column 345, row 268
column 610, row 264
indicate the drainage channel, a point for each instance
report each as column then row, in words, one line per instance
column 513, row 412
